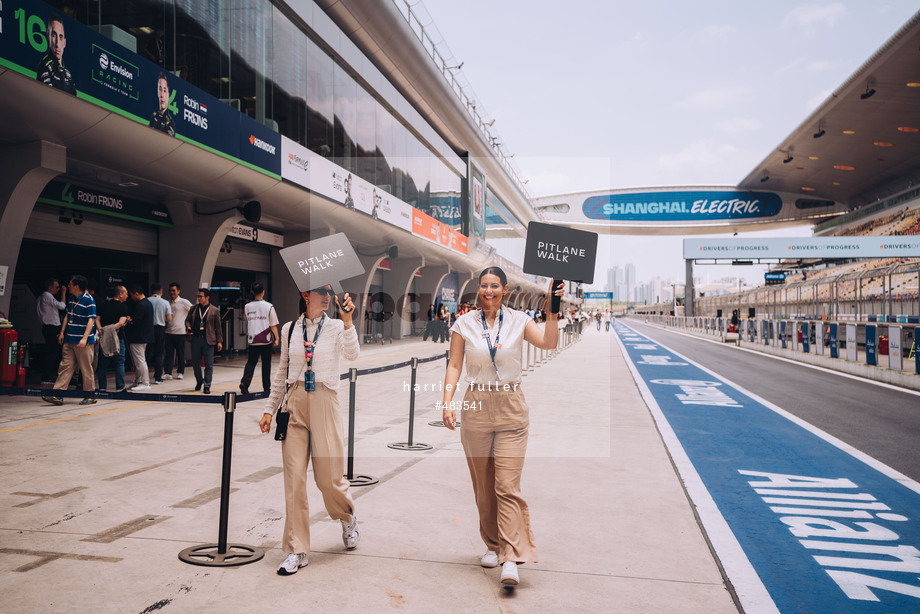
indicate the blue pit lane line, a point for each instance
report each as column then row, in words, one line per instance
column 799, row 520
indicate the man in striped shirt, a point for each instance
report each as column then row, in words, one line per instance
column 78, row 337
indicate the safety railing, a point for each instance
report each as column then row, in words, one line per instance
column 882, row 341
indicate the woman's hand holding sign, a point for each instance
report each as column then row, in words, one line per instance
column 347, row 308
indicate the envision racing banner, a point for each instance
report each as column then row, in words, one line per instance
column 100, row 201
column 46, row 45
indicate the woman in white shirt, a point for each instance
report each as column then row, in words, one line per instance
column 310, row 358
column 496, row 417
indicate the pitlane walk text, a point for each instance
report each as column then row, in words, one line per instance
column 824, row 530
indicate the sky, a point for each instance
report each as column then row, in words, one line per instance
column 622, row 93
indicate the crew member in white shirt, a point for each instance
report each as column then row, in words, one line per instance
column 262, row 334
column 49, row 306
column 175, row 333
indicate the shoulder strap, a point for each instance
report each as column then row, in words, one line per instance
column 290, row 334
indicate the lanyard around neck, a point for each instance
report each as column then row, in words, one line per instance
column 485, row 333
column 308, row 346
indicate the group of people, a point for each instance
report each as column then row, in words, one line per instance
column 602, row 316
column 489, row 341
column 95, row 338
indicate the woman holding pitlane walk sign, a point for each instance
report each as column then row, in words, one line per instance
column 306, row 385
column 496, row 417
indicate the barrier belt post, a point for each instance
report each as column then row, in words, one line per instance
column 354, row 480
column 222, row 554
column 410, row 445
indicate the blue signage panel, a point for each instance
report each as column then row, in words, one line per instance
column 782, row 333
column 599, row 295
column 824, row 530
column 835, row 348
column 806, row 338
column 679, row 206
column 871, row 348
column 99, row 70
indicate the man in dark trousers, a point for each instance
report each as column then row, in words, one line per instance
column 138, row 334
column 262, row 327
column 113, row 312
column 49, row 306
column 203, row 325
column 430, row 325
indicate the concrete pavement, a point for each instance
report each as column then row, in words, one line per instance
column 97, row 503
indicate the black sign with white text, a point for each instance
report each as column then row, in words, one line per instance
column 560, row 253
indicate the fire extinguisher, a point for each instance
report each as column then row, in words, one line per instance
column 21, row 366
column 9, row 345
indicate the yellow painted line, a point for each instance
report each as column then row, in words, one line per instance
column 95, row 413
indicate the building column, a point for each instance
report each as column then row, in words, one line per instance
column 399, row 281
column 27, row 169
column 188, row 252
column 469, row 289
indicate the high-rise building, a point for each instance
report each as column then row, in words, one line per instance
column 630, row 281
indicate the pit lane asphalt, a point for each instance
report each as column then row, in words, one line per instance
column 882, row 422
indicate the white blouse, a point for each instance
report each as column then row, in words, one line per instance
column 479, row 369
column 333, row 343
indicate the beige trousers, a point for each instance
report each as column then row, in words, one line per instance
column 495, row 441
column 314, row 430
column 73, row 356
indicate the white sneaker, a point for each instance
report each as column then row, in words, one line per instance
column 350, row 533
column 510, row 574
column 489, row 559
column 138, row 387
column 292, row 563
column 167, row 376
column 178, row 376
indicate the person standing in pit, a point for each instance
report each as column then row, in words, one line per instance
column 175, row 333
column 49, row 306
column 262, row 327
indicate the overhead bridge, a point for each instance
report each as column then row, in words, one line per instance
column 684, row 210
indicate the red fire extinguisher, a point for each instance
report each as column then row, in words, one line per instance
column 21, row 367
column 9, row 345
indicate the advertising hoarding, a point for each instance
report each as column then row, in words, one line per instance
column 97, row 69
column 682, row 206
column 813, row 247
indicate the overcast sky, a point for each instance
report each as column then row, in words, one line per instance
column 625, row 93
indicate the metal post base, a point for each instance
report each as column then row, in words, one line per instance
column 409, row 446
column 441, row 423
column 208, row 555
column 362, row 480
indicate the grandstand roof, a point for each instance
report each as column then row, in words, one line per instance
column 863, row 143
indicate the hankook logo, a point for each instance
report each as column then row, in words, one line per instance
column 266, row 147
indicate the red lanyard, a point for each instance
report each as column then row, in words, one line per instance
column 308, row 346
